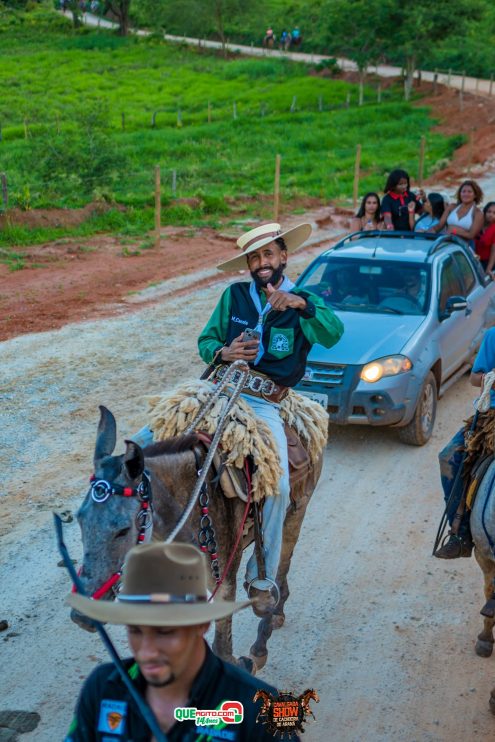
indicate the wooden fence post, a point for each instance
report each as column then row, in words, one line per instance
column 158, row 205
column 5, row 190
column 470, row 153
column 463, row 83
column 379, row 93
column 348, row 99
column 361, row 93
column 234, row 110
column 179, row 118
column 174, row 183
column 461, row 100
column 276, row 194
column 320, row 103
column 293, row 104
column 435, row 83
column 357, row 166
column 26, row 132
column 421, row 161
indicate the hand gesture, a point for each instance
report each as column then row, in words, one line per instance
column 282, row 300
column 240, row 350
column 411, row 207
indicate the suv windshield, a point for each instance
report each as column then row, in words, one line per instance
column 360, row 285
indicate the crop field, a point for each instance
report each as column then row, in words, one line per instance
column 86, row 115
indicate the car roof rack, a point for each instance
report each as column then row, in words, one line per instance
column 439, row 241
column 444, row 240
column 386, row 234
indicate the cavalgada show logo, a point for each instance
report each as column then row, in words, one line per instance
column 285, row 714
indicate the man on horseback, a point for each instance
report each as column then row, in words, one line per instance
column 271, row 325
column 163, row 603
column 452, row 457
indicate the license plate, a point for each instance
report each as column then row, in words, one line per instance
column 316, row 397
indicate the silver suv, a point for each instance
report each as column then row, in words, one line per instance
column 415, row 308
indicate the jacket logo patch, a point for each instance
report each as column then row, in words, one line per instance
column 280, row 343
column 114, row 719
column 112, row 716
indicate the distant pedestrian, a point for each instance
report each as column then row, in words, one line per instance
column 296, row 37
column 284, row 41
column 269, row 40
column 395, row 204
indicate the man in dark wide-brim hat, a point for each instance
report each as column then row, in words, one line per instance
column 164, row 605
column 287, row 321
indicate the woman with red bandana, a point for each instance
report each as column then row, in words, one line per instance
column 399, row 203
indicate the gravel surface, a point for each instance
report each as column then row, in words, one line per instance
column 381, row 630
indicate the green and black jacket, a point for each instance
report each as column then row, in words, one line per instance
column 287, row 336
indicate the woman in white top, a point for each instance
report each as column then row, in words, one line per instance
column 464, row 218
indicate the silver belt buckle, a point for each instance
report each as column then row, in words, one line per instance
column 268, row 387
column 256, row 384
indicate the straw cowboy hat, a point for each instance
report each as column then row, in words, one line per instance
column 260, row 236
column 163, row 585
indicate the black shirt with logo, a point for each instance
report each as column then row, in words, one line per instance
column 105, row 712
column 396, row 204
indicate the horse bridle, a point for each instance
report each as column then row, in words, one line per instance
column 101, row 490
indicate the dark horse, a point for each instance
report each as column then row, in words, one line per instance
column 111, row 523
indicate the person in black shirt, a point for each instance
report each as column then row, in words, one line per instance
column 164, row 605
column 399, row 203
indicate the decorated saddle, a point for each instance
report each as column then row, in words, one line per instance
column 245, row 435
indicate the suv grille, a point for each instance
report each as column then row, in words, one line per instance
column 331, row 375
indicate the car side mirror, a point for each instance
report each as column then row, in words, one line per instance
column 454, row 304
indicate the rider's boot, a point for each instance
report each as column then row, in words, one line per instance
column 459, row 542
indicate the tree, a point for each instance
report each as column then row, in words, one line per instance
column 199, row 17
column 417, row 26
column 357, row 30
column 121, row 10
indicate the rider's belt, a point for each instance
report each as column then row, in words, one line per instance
column 257, row 385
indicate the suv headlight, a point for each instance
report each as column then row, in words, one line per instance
column 389, row 366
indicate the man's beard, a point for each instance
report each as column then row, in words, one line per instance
column 164, row 683
column 262, row 283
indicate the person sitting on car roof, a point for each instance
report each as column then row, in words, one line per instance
column 395, row 203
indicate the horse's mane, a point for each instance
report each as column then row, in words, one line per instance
column 178, row 444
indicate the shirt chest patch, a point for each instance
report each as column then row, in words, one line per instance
column 112, row 716
column 281, row 341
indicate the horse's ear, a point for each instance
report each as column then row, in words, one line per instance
column 106, row 435
column 133, row 459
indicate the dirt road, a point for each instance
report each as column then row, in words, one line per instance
column 381, row 630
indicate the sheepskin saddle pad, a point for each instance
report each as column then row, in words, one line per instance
column 244, row 434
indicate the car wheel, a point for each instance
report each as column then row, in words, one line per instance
column 419, row 430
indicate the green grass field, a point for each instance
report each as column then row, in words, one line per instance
column 64, row 93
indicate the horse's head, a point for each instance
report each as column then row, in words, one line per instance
column 113, row 514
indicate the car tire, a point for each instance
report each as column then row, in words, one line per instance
column 419, row 430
